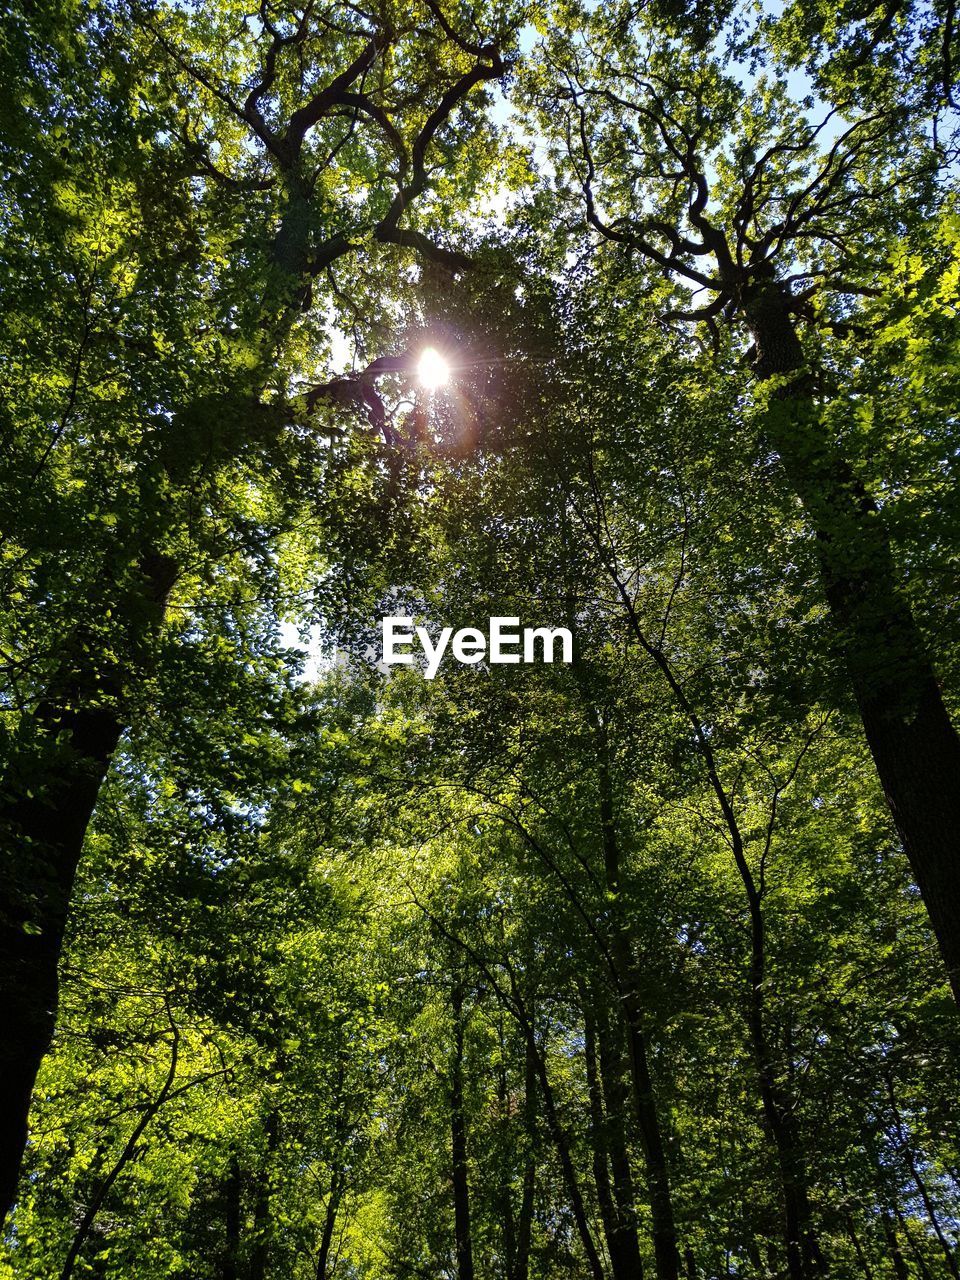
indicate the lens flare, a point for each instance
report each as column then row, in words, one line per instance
column 432, row 370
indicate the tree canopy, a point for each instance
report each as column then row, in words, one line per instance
column 641, row 964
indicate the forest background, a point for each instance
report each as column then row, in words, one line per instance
column 643, row 966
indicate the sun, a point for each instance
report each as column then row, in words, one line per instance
column 432, row 370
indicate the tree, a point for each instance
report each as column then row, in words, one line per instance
column 713, row 177
column 248, row 156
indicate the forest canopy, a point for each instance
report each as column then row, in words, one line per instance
column 634, row 321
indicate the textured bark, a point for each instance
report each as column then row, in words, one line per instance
column 43, row 830
column 57, row 765
column 914, row 745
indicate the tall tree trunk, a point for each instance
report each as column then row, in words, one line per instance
column 610, row 1157
column 915, row 747
column 513, row 998
column 558, row 1135
column 329, row 1223
column 59, row 761
column 666, row 1248
column 601, row 1170
column 804, row 1258
column 569, row 1171
column 260, row 1250
column 518, row 1219
column 44, row 828
column 900, row 1268
column 505, row 1182
column 803, row 1253
column 521, row 1259
column 232, row 1211
column 617, row 1106
column 922, row 1267
column 865, row 1267
column 458, row 1134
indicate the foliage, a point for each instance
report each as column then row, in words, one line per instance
column 528, row 971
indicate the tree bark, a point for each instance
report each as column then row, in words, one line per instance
column 232, row 1210
column 914, row 745
column 260, row 1250
column 617, row 1106
column 458, row 1135
column 900, row 1268
column 666, row 1248
column 601, row 1170
column 44, row 831
column 521, row 1259
column 611, row 1162
column 60, row 759
column 329, row 1223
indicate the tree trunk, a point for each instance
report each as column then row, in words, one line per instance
column 232, row 1211
column 900, row 1268
column 616, row 1098
column 43, row 831
column 666, row 1248
column 857, row 1247
column 914, row 745
column 601, row 1170
column 803, row 1251
column 608, row 1113
column 521, row 1259
column 922, row 1267
column 458, row 1133
column 260, row 1251
column 61, row 757
column 560, row 1141
column 329, row 1222
column 518, row 1220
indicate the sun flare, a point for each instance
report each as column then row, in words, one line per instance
column 432, row 370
